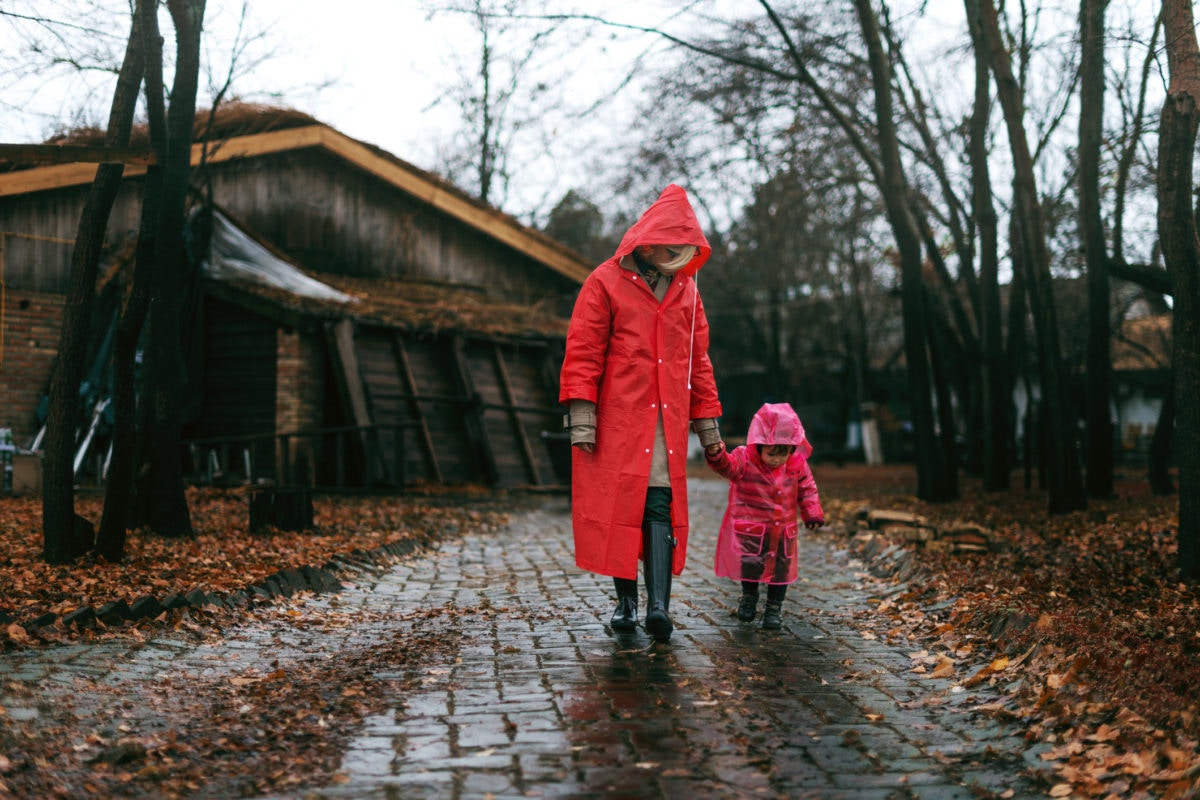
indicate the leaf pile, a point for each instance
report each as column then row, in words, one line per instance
column 245, row 734
column 223, row 556
column 1082, row 622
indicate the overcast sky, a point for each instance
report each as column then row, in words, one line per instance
column 374, row 69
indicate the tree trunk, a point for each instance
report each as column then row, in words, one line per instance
column 1158, row 472
column 1095, row 253
column 933, row 483
column 1063, row 470
column 118, row 496
column 1181, row 250
column 161, row 486
column 996, row 386
column 1015, row 352
column 58, row 487
column 939, row 334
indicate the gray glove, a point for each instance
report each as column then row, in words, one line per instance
column 581, row 422
column 707, row 430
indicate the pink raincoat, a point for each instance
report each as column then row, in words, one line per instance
column 637, row 358
column 758, row 538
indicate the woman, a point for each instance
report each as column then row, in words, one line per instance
column 636, row 371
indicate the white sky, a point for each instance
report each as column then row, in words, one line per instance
column 374, row 69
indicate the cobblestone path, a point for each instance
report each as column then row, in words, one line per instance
column 540, row 700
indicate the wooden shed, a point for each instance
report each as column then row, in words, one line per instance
column 431, row 354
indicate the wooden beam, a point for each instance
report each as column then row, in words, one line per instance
column 340, row 339
column 404, row 367
column 473, row 418
column 76, row 154
column 514, row 416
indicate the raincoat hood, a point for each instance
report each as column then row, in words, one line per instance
column 778, row 423
column 670, row 220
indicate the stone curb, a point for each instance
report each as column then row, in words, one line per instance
column 285, row 583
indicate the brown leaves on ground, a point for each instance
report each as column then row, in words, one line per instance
column 223, row 556
column 1081, row 623
column 242, row 734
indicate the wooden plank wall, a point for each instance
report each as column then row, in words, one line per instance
column 38, row 228
column 438, row 403
column 474, row 408
column 508, row 379
column 338, row 219
column 238, row 378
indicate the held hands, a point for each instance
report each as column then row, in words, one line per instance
column 813, row 524
column 713, row 450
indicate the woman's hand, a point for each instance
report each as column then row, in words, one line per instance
column 587, row 447
column 712, row 450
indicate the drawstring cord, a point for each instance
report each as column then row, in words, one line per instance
column 692, row 336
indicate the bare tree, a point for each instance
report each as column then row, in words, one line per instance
column 110, row 538
column 1095, row 251
column 1181, row 249
column 996, row 383
column 162, row 505
column 1063, row 471
column 934, row 472
column 58, row 494
column 498, row 96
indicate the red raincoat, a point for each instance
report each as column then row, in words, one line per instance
column 759, row 533
column 636, row 358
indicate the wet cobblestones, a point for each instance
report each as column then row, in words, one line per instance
column 542, row 701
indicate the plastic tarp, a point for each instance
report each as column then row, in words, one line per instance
column 233, row 255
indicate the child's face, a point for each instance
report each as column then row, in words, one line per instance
column 776, row 455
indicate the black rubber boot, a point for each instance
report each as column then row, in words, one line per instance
column 658, row 547
column 747, row 607
column 625, row 617
column 773, row 616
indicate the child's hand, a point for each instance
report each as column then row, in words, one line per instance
column 713, row 450
column 813, row 524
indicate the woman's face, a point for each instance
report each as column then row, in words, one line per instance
column 660, row 255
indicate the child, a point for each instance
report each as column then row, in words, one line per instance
column 770, row 486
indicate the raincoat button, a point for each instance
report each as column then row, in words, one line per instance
column 647, row 449
column 654, row 405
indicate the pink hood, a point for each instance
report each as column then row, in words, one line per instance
column 778, row 423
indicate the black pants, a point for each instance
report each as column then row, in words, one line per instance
column 658, row 505
column 775, row 591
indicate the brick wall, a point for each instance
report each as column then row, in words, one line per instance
column 30, row 328
column 299, row 395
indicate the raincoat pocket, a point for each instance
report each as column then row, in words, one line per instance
column 790, row 544
column 748, row 538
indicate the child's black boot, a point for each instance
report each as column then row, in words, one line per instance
column 748, row 606
column 773, row 616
